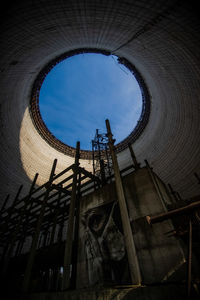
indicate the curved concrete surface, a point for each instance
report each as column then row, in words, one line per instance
column 161, row 38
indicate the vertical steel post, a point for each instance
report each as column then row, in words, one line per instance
column 25, row 205
column 189, row 260
column 102, row 170
column 128, row 235
column 70, row 227
column 55, row 218
column 31, row 256
column 61, row 225
column 136, row 165
column 76, row 231
column 21, row 242
column 109, row 166
column 93, row 163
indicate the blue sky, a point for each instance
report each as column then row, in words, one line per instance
column 81, row 92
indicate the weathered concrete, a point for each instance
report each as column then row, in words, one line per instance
column 102, row 257
column 159, row 256
column 161, row 38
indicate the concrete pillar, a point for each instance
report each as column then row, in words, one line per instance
column 128, row 236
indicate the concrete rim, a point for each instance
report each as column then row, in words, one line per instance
column 65, row 148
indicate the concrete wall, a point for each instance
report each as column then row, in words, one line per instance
column 159, row 256
column 161, row 38
column 100, row 225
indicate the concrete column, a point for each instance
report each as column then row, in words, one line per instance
column 70, row 227
column 128, row 236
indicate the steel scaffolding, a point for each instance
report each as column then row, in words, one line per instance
column 102, row 162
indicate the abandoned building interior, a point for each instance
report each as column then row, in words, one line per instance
column 122, row 220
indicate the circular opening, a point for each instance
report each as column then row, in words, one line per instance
column 126, row 129
column 82, row 91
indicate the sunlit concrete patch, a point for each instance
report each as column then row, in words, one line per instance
column 37, row 155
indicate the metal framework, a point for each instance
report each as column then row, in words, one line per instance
column 47, row 220
column 42, row 217
column 188, row 213
column 102, row 162
column 39, row 231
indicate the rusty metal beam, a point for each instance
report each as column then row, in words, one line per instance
column 88, row 174
column 60, row 189
column 188, row 209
